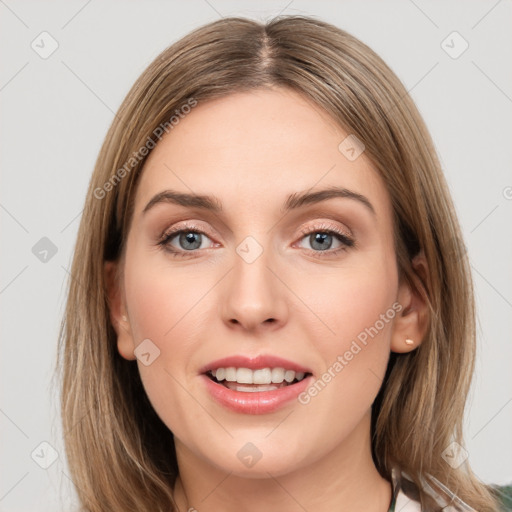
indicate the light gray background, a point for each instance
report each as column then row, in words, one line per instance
column 56, row 111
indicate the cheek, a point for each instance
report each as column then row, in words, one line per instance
column 162, row 301
column 352, row 301
column 358, row 307
column 175, row 311
column 161, row 308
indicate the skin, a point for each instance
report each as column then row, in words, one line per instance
column 252, row 150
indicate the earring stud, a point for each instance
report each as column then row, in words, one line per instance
column 408, row 341
column 125, row 318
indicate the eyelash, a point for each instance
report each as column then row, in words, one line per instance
column 347, row 241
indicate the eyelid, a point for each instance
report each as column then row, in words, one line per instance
column 190, row 225
column 183, row 226
column 347, row 240
column 344, row 236
column 326, row 226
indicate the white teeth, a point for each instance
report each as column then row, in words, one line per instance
column 263, row 376
column 244, row 376
column 277, row 375
column 250, row 389
column 289, row 375
column 230, row 374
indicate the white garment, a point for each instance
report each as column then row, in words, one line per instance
column 405, row 504
column 446, row 499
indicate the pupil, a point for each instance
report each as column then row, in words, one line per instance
column 320, row 237
column 190, row 237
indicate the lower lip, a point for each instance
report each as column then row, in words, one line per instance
column 258, row 402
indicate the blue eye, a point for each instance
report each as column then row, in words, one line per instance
column 188, row 240
column 321, row 240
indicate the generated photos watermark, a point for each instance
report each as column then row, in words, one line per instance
column 344, row 359
column 143, row 151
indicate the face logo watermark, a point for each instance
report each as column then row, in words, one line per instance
column 249, row 455
column 44, row 455
column 44, row 45
column 44, row 250
column 146, row 352
column 454, row 45
column 454, row 455
column 351, row 148
column 249, row 249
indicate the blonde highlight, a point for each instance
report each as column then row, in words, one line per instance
column 121, row 455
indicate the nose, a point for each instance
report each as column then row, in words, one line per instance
column 253, row 297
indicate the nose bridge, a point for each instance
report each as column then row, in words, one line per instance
column 253, row 294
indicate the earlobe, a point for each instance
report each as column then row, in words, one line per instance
column 117, row 311
column 411, row 324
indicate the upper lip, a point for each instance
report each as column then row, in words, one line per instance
column 255, row 363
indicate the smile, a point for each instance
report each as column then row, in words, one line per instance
column 246, row 380
column 257, row 385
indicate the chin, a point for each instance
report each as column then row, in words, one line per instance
column 256, row 460
column 261, row 469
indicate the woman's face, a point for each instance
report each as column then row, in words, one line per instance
column 268, row 271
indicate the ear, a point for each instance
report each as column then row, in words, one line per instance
column 412, row 321
column 118, row 315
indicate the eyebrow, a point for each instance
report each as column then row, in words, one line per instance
column 294, row 201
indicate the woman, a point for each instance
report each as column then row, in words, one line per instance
column 313, row 348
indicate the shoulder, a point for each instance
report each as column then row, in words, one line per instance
column 405, row 504
column 504, row 495
column 407, row 496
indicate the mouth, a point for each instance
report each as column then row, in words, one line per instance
column 249, row 380
column 257, row 385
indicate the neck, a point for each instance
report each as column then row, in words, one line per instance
column 345, row 479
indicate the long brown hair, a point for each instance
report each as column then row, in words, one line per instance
column 120, row 454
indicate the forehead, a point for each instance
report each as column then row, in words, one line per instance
column 257, row 148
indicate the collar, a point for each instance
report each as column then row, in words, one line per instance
column 406, row 496
column 400, row 501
